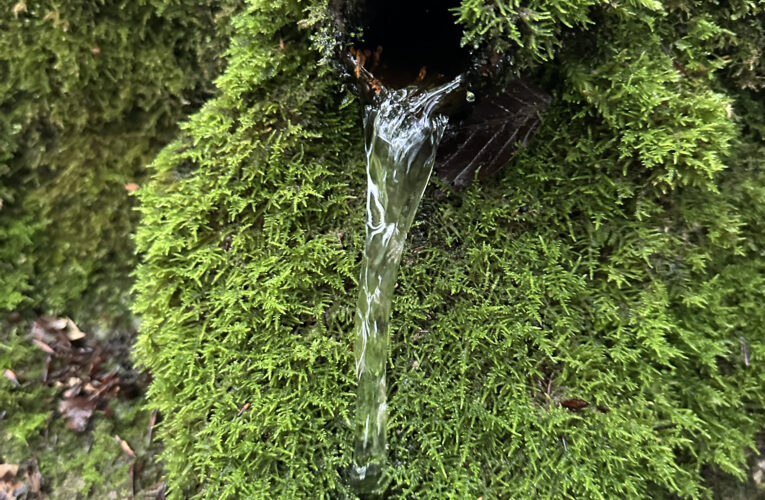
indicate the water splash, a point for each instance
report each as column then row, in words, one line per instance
column 402, row 131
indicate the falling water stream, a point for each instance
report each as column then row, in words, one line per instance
column 402, row 131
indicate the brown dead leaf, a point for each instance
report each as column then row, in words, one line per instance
column 375, row 85
column 77, row 411
column 73, row 391
column 57, row 323
column 72, row 332
column 34, row 478
column 131, row 187
column 6, row 469
column 244, row 409
column 8, row 482
column 42, row 345
column 131, row 475
column 109, row 386
column 125, row 446
column 361, row 59
column 11, row 376
column 574, row 404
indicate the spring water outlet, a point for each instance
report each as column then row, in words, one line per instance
column 422, row 109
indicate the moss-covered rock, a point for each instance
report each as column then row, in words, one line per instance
column 617, row 262
column 89, row 92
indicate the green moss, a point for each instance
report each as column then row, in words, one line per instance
column 73, row 465
column 618, row 260
column 26, row 412
column 89, row 93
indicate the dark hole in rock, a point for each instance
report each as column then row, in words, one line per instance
column 413, row 34
column 400, row 38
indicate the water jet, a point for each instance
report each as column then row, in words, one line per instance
column 418, row 85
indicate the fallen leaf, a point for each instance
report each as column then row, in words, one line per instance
column 131, row 187
column 131, row 475
column 6, row 469
column 58, row 323
column 77, row 411
column 124, row 445
column 73, row 391
column 34, row 478
column 109, row 386
column 73, row 333
column 8, row 483
column 244, row 409
column 574, row 404
column 11, row 376
column 42, row 345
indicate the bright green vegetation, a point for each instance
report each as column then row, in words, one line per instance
column 619, row 260
column 89, row 92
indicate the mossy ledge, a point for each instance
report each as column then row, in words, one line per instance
column 618, row 261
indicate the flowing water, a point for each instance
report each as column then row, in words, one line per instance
column 402, row 131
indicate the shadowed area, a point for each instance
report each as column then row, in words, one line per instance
column 487, row 135
column 413, row 36
column 407, row 43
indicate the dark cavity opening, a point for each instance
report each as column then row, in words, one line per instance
column 413, row 34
